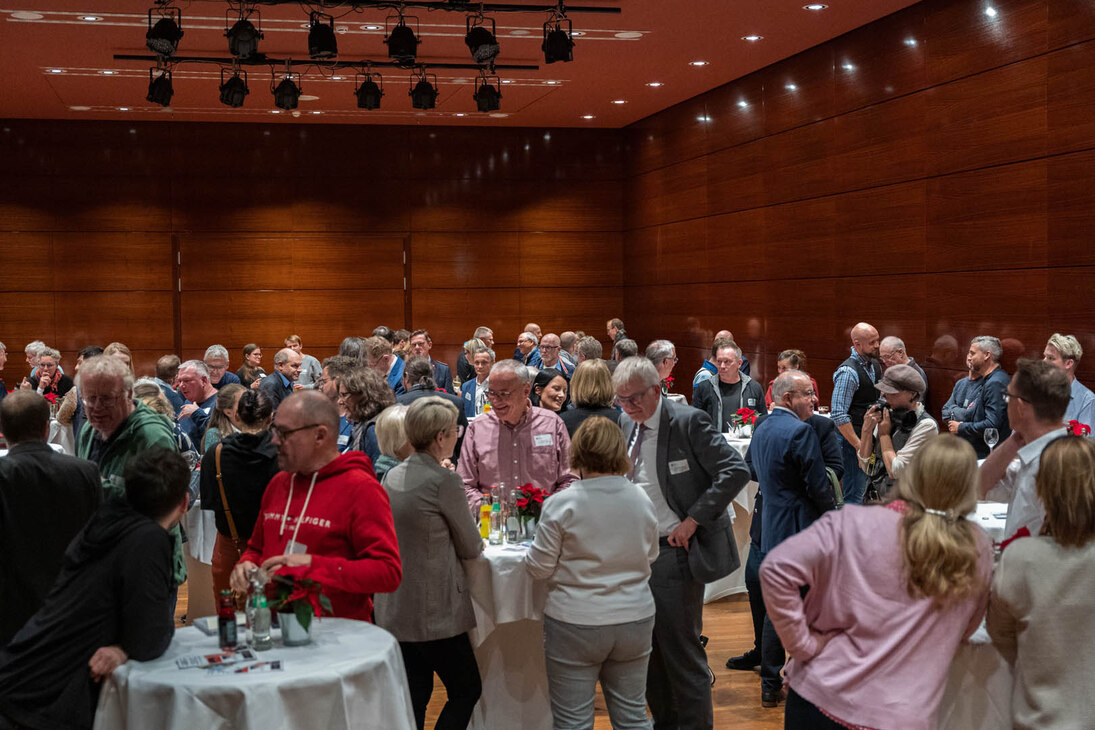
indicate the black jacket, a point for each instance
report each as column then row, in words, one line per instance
column 574, row 418
column 116, row 587
column 248, row 462
column 421, row 391
column 45, row 499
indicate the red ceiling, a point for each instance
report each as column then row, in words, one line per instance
column 605, row 67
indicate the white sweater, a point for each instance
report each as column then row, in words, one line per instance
column 594, row 544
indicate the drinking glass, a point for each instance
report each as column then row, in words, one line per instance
column 992, row 437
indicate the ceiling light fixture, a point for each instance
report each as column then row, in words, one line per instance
column 619, row 101
column 423, row 94
column 160, row 90
column 402, row 41
column 123, row 108
column 56, row 71
column 108, row 73
column 697, row 63
column 752, row 38
column 372, row 27
column 368, row 92
column 488, row 96
column 558, row 44
column 990, row 11
column 552, row 83
column 654, row 84
column 587, row 116
column 90, row 18
column 322, row 43
column 481, row 40
column 163, row 36
column 244, row 36
column 234, row 90
column 814, row 6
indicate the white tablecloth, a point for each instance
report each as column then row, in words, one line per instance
column 992, row 516
column 978, row 691
column 508, row 641
column 61, row 438
column 201, row 532
column 350, row 676
column 741, row 512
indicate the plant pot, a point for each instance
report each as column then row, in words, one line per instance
column 528, row 528
column 292, row 633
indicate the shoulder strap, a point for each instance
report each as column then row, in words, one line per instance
column 224, row 497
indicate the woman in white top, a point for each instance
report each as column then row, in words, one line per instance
column 1042, row 609
column 594, row 545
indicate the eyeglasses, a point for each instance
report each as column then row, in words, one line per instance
column 216, row 367
column 630, row 400
column 94, row 401
column 1008, row 396
column 499, row 394
column 284, row 433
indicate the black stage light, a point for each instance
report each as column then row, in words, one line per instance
column 481, row 40
column 558, row 45
column 243, row 39
column 234, row 89
column 321, row 36
column 369, row 92
column 287, row 93
column 402, row 42
column 163, row 37
column 488, row 96
column 159, row 88
column 424, row 94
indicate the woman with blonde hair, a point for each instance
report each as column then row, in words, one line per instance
column 1042, row 610
column 120, row 351
column 391, row 438
column 222, row 419
column 591, row 391
column 893, row 590
column 594, row 546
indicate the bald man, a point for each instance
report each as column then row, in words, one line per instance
column 853, row 395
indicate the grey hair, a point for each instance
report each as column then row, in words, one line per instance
column 3, row 347
column 528, row 336
column 482, row 330
column 36, row 347
column 49, row 352
column 989, row 344
column 197, row 366
column 785, row 383
column 390, row 434
column 635, row 368
column 107, row 366
column 509, row 365
column 216, row 351
column 1067, row 345
column 626, row 347
column 591, row 347
column 894, row 342
column 659, row 350
column 282, row 355
column 476, row 350
column 728, row 345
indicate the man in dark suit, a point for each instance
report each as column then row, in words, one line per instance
column 419, row 383
column 421, row 344
column 279, row 384
column 788, row 463
column 45, row 499
column 691, row 474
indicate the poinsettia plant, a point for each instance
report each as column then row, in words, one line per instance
column 530, row 500
column 744, row 417
column 1078, row 429
column 51, row 397
column 303, row 597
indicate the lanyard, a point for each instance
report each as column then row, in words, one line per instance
column 292, row 479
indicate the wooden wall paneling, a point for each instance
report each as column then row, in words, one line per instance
column 1070, row 214
column 800, row 239
column 880, row 144
column 567, row 154
column 682, row 252
column 455, row 260
column 26, row 317
column 1070, row 89
column 736, row 246
column 26, row 258
column 84, row 203
column 684, row 313
column 964, row 39
column 888, row 60
column 798, row 163
column 115, row 149
column 236, row 261
column 141, row 319
column 224, row 317
column 1068, row 290
column 988, row 219
column 323, row 318
column 236, row 204
column 127, row 262
column 736, row 177
column 1070, row 21
column 995, row 117
column 371, row 206
column 640, row 256
column 461, row 153
column 451, row 315
column 553, row 258
column 799, row 90
column 673, row 193
column 568, row 206
column 347, row 262
column 736, row 112
column 573, row 308
column 882, row 230
column 355, row 153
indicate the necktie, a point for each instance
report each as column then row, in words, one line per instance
column 636, row 450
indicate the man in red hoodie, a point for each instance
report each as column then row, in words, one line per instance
column 325, row 511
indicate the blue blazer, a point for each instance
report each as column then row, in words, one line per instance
column 395, row 377
column 442, row 376
column 467, row 395
column 786, row 460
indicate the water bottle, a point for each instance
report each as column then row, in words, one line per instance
column 513, row 522
column 260, row 623
column 484, row 521
column 495, row 524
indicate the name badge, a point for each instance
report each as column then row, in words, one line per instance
column 343, row 439
column 542, row 439
column 468, row 396
column 678, row 467
column 752, row 402
column 296, row 548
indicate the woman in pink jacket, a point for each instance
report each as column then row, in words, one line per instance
column 892, row 591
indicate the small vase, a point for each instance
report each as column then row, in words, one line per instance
column 528, row 528
column 292, row 633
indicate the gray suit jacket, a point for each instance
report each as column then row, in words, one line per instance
column 706, row 474
column 435, row 532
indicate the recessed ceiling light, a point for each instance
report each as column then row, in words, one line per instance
column 275, row 111
column 459, row 114
column 108, row 73
column 521, row 31
column 336, row 78
column 814, row 6
column 847, row 66
column 507, row 81
column 90, row 18
column 752, row 38
column 552, row 83
column 80, row 108
column 703, row 118
column 26, row 15
column 743, row 104
column 655, row 84
column 619, row 101
column 371, row 27
column 697, row 63
column 629, row 35
column 56, row 71
column 498, row 115
column 910, row 42
column 587, row 116
column 791, row 87
column 990, row 11
column 577, row 33
column 123, row 108
column 317, row 112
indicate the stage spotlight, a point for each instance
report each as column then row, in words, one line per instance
column 163, row 37
column 243, row 38
column 488, row 96
column 481, row 40
column 159, row 88
column 402, row 41
column 321, row 36
column 368, row 92
column 558, row 45
column 287, row 93
column 234, row 89
column 423, row 94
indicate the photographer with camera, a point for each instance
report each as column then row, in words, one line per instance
column 893, row 429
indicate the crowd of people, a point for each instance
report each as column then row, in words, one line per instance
column 863, row 572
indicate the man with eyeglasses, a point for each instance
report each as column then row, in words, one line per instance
column 550, row 355
column 1037, row 397
column 516, row 443
column 689, row 471
column 421, row 344
column 334, row 369
column 324, row 516
column 216, row 359
column 194, row 382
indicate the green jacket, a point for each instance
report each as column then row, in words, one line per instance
column 142, row 430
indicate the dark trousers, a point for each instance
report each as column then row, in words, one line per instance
column 854, row 483
column 678, row 688
column 454, row 662
column 771, row 649
column 801, row 714
column 756, row 598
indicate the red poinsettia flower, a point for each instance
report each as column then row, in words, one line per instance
column 747, row 415
column 669, row 381
column 1078, row 429
column 51, row 397
column 530, row 500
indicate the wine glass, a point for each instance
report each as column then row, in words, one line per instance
column 992, row 437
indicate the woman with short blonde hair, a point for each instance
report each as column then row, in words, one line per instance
column 391, row 438
column 919, row 572
column 592, row 392
column 120, row 351
column 1042, row 610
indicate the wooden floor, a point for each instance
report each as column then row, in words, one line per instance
column 736, row 695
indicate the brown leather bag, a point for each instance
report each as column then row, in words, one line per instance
column 238, row 544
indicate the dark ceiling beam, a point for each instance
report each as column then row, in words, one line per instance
column 261, row 60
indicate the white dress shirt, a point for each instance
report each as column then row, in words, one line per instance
column 646, row 472
column 1017, row 487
